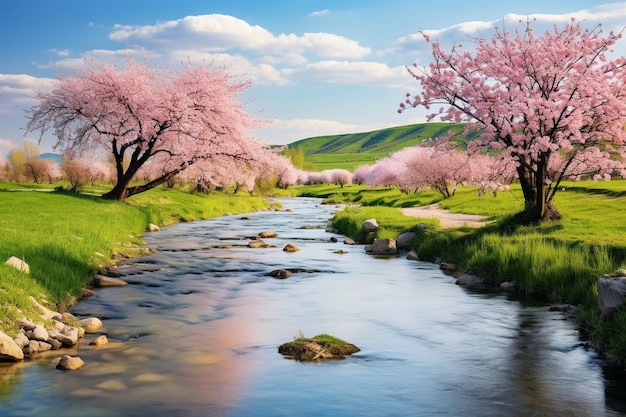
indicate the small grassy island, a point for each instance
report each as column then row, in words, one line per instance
column 322, row 346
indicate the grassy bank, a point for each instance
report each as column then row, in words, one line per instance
column 558, row 262
column 64, row 237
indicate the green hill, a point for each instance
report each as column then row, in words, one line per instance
column 352, row 150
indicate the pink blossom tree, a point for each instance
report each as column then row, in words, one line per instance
column 536, row 98
column 340, row 177
column 440, row 167
column 286, row 173
column 141, row 113
column 97, row 170
column 360, row 174
column 383, row 173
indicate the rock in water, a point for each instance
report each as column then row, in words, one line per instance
column 290, row 247
column 90, row 324
column 70, row 363
column 280, row 273
column 322, row 346
column 9, row 350
column 102, row 281
column 99, row 341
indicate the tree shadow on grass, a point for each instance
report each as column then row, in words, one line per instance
column 596, row 191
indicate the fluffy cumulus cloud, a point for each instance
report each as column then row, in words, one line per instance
column 16, row 90
column 216, row 32
column 250, row 50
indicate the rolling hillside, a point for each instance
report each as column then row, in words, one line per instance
column 351, row 150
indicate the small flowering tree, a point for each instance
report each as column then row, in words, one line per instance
column 340, row 177
column 38, row 169
column 536, row 99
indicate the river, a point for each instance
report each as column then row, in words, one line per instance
column 196, row 334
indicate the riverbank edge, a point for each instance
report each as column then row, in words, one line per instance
column 596, row 332
column 118, row 255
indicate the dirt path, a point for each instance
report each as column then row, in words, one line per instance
column 448, row 220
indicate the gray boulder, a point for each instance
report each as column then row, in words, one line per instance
column 413, row 256
column 370, row 225
column 403, row 240
column 68, row 336
column 611, row 293
column 470, row 280
column 21, row 340
column 280, row 273
column 382, row 247
column 40, row 333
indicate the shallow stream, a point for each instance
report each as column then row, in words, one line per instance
column 196, row 334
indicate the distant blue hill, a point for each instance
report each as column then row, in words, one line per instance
column 55, row 156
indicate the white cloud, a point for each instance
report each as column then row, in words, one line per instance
column 320, row 13
column 216, row 32
column 61, row 52
column 611, row 16
column 18, row 90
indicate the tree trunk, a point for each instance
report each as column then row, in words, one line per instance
column 537, row 208
column 540, row 195
column 119, row 191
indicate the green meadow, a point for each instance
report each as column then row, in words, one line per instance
column 65, row 237
column 557, row 262
column 354, row 149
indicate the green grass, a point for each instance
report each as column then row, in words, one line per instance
column 558, row 262
column 65, row 236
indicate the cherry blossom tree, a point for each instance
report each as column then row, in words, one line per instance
column 38, row 169
column 360, row 174
column 97, row 170
column 340, row 177
column 384, row 173
column 536, row 98
column 75, row 173
column 140, row 113
column 286, row 173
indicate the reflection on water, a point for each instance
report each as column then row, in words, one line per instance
column 196, row 334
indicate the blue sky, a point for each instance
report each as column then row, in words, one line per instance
column 318, row 67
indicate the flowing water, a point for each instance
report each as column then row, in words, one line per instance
column 196, row 334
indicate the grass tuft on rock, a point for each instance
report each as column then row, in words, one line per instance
column 322, row 346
